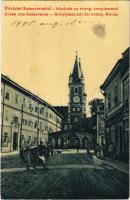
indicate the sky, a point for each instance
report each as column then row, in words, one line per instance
column 41, row 57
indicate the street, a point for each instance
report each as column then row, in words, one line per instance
column 71, row 175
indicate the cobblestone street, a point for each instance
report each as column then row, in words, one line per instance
column 70, row 176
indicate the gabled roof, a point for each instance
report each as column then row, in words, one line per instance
column 120, row 67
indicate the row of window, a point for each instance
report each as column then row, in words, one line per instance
column 32, row 124
column 78, row 109
column 29, row 141
column 15, row 119
column 113, row 100
column 31, row 107
column 35, row 109
column 5, row 139
column 29, row 123
column 77, row 90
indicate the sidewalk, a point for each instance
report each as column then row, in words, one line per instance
column 9, row 155
column 119, row 165
column 14, row 153
column 17, row 169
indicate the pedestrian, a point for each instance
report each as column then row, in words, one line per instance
column 42, row 150
column 88, row 152
column 77, row 146
column 27, row 157
column 22, row 153
column 34, row 154
column 51, row 149
column 97, row 150
column 102, row 152
column 114, row 151
column 48, row 150
column 111, row 150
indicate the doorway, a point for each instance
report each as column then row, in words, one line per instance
column 15, row 141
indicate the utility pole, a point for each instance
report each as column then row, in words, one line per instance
column 21, row 126
column 38, row 120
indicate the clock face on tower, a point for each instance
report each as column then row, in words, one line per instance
column 76, row 99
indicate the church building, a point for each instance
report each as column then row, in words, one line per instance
column 77, row 97
column 74, row 132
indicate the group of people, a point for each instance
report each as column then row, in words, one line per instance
column 34, row 155
column 101, row 151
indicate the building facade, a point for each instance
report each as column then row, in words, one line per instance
column 25, row 118
column 116, row 93
column 77, row 97
column 100, row 127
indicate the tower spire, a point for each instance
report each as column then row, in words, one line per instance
column 77, row 73
column 80, row 68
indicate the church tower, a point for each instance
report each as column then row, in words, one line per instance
column 77, row 97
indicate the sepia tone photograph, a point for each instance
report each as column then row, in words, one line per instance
column 65, row 100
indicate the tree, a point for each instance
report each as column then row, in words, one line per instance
column 95, row 105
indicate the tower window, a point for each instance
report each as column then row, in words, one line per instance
column 78, row 109
column 70, row 126
column 76, row 90
column 74, row 109
column 76, row 119
column 80, row 90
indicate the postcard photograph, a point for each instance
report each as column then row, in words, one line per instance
column 65, row 100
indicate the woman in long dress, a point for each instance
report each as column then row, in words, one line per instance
column 27, row 157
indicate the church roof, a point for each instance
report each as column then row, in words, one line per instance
column 77, row 73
